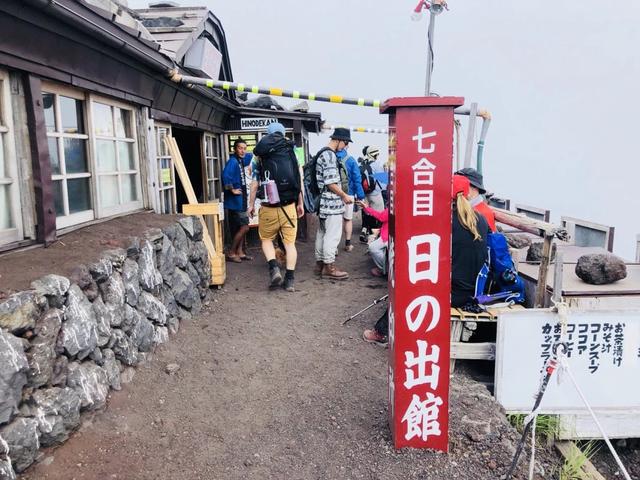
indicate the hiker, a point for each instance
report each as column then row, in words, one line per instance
column 352, row 184
column 469, row 231
column 379, row 334
column 235, row 199
column 369, row 166
column 332, row 205
column 277, row 170
column 378, row 248
column 476, row 192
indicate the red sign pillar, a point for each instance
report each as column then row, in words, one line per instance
column 420, row 166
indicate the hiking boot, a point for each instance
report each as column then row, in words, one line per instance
column 372, row 336
column 348, row 248
column 331, row 272
column 317, row 270
column 376, row 272
column 288, row 285
column 275, row 277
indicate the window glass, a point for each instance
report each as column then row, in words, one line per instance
column 48, row 101
column 109, row 190
column 71, row 115
column 125, row 154
column 106, row 153
column 102, row 120
column 6, row 220
column 123, row 123
column 79, row 195
column 54, row 158
column 57, row 197
column 166, row 201
column 75, row 156
column 129, row 189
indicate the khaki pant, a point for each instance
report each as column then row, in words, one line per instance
column 272, row 220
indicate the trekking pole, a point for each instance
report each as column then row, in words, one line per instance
column 375, row 302
column 551, row 366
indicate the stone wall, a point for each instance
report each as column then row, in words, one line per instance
column 66, row 342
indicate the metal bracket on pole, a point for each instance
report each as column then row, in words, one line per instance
column 471, row 134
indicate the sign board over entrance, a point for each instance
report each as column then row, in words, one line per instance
column 420, row 164
column 604, row 356
column 256, row 123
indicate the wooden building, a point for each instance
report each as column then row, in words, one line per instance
column 86, row 99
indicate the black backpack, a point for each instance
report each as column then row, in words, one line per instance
column 366, row 173
column 311, row 190
column 279, row 159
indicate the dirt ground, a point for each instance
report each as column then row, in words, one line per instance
column 18, row 269
column 271, row 385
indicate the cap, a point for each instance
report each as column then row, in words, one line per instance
column 475, row 178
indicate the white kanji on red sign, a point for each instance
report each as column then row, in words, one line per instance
column 422, row 417
column 430, row 258
column 421, row 305
column 420, row 137
column 420, row 363
column 423, row 203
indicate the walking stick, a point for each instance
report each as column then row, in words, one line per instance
column 375, row 302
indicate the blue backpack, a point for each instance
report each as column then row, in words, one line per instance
column 498, row 279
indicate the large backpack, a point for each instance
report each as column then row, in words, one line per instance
column 503, row 276
column 311, row 191
column 282, row 165
column 366, row 173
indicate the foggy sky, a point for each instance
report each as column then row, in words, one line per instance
column 560, row 78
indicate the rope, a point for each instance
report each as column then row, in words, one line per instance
column 563, row 313
column 564, row 365
column 532, row 461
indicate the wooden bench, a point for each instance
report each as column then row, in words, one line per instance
column 463, row 324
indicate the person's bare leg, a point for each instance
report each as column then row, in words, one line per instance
column 269, row 250
column 348, row 231
column 292, row 255
column 243, row 233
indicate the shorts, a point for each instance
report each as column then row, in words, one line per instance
column 272, row 220
column 348, row 211
column 237, row 219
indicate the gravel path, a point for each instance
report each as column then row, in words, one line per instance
column 271, row 385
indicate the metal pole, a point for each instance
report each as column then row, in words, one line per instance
column 432, row 23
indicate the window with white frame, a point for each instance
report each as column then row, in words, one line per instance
column 212, row 164
column 10, row 216
column 116, row 157
column 64, row 115
column 166, row 173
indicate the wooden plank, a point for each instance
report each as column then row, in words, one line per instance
column 570, row 450
column 174, row 151
column 211, row 208
column 557, row 276
column 473, row 351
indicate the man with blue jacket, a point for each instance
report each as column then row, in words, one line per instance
column 354, row 179
column 235, row 199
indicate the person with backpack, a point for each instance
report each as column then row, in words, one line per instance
column 469, row 232
column 369, row 166
column 351, row 182
column 322, row 181
column 476, row 192
column 277, row 170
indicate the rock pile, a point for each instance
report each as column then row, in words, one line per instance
column 66, row 342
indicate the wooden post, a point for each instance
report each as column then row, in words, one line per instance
column 542, row 272
column 557, row 277
column 214, row 255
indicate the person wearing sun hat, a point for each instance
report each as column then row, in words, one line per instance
column 475, row 196
column 332, row 205
column 469, row 231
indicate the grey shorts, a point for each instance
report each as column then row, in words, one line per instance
column 237, row 219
